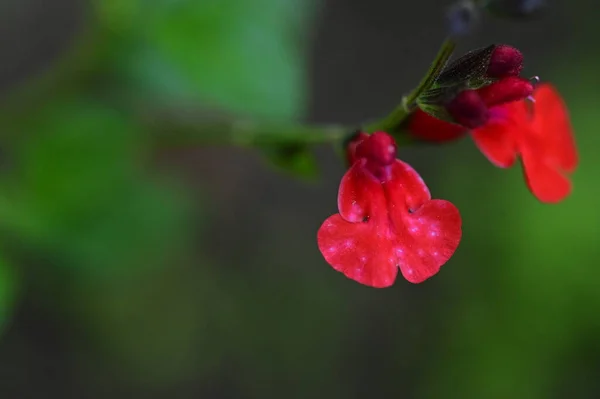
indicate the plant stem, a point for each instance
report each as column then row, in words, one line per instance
column 440, row 61
column 244, row 133
column 392, row 122
column 185, row 130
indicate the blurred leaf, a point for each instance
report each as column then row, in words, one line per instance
column 78, row 189
column 295, row 159
column 117, row 15
column 7, row 291
column 244, row 56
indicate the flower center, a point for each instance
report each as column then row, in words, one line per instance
column 379, row 150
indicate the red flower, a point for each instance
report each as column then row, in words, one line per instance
column 471, row 108
column 538, row 132
column 541, row 134
column 469, row 86
column 387, row 219
column 429, row 128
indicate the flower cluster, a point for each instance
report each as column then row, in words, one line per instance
column 387, row 219
column 537, row 130
column 468, row 88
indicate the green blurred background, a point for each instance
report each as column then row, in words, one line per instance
column 132, row 265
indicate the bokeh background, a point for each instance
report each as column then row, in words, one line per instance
column 134, row 264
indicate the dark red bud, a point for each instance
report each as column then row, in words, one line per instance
column 468, row 109
column 506, row 90
column 379, row 149
column 505, row 61
column 351, row 145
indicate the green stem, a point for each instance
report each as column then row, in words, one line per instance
column 392, row 122
column 184, row 131
column 440, row 61
column 243, row 133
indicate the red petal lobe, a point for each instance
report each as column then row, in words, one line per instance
column 406, row 187
column 551, row 121
column 432, row 236
column 425, row 233
column 497, row 143
column 548, row 184
column 505, row 90
column 359, row 251
column 360, row 196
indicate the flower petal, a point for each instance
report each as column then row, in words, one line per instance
column 548, row 184
column 360, row 196
column 505, row 91
column 551, row 123
column 426, row 232
column 427, row 127
column 496, row 142
column 359, row 250
column 435, row 232
column 427, row 239
column 406, row 187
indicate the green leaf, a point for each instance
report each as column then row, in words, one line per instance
column 243, row 56
column 295, row 159
column 77, row 189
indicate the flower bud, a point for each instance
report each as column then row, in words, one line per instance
column 473, row 83
column 468, row 68
column 505, row 90
column 468, row 109
column 505, row 61
column 379, row 149
column 351, row 144
column 376, row 153
column 480, row 67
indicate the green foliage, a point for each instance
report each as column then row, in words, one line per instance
column 107, row 239
column 243, row 56
column 76, row 192
column 295, row 159
column 77, row 188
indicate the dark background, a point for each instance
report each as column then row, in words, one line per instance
column 130, row 268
